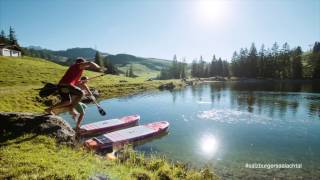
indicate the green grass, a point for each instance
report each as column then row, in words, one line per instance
column 39, row 157
column 21, row 76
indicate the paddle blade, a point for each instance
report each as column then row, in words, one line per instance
column 101, row 111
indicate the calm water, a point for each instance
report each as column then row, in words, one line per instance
column 228, row 124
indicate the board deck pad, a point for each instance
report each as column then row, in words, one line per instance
column 127, row 135
column 102, row 124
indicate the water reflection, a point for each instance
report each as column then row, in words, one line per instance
column 275, row 99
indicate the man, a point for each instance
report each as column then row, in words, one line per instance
column 67, row 85
column 78, row 111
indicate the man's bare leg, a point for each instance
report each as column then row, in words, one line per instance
column 59, row 105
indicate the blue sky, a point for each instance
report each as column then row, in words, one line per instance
column 162, row 28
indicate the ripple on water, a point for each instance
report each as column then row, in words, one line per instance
column 232, row 116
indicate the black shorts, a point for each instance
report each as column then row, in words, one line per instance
column 66, row 92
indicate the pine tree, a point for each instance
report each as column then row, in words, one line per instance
column 98, row 60
column 131, row 71
column 213, row 65
column 174, row 68
column 111, row 69
column 235, row 64
column 194, row 72
column 261, row 65
column 183, row 69
column 3, row 37
column 12, row 37
column 296, row 63
column 225, row 71
column 252, row 62
column 219, row 67
column 275, row 60
column 316, row 60
column 201, row 67
column 284, row 61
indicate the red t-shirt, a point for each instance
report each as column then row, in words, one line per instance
column 72, row 76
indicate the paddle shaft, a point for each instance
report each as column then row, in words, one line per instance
column 97, row 76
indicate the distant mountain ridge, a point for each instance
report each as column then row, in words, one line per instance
column 66, row 57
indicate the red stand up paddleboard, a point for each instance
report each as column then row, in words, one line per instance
column 109, row 125
column 127, row 135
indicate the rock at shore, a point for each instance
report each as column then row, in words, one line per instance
column 14, row 125
column 167, row 86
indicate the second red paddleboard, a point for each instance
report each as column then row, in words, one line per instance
column 109, row 125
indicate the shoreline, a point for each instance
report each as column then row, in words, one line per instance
column 255, row 80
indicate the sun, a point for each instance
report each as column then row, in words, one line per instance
column 209, row 11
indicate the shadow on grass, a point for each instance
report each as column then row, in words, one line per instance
column 18, row 141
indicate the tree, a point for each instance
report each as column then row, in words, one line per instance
column 274, row 63
column 219, row 67
column 183, row 69
column 201, row 67
column 261, row 66
column 98, row 59
column 316, row 60
column 225, row 70
column 12, row 37
column 252, row 62
column 284, row 64
column 235, row 64
column 243, row 62
column 194, row 69
column 131, row 71
column 3, row 37
column 212, row 69
column 111, row 69
column 175, row 68
column 296, row 63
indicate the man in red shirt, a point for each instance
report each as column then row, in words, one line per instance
column 67, row 84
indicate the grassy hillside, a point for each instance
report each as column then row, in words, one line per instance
column 21, row 76
column 145, row 67
column 151, row 63
column 139, row 70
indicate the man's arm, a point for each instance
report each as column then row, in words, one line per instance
column 87, row 89
column 91, row 65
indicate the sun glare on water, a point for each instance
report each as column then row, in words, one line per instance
column 211, row 11
column 209, row 145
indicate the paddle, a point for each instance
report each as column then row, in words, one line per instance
column 101, row 111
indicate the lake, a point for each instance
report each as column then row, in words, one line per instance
column 226, row 125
